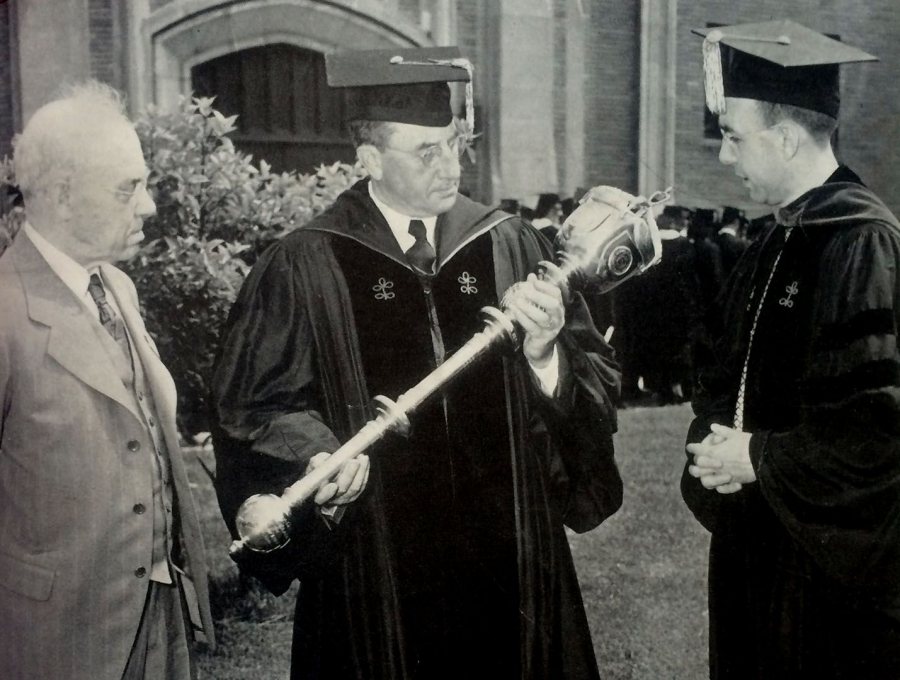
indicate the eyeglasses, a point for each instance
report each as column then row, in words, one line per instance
column 431, row 155
column 127, row 195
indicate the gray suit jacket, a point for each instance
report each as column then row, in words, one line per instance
column 75, row 460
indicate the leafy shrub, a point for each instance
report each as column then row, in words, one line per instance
column 216, row 211
column 11, row 213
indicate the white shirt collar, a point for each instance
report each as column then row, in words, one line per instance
column 73, row 274
column 399, row 223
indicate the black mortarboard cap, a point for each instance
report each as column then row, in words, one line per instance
column 400, row 85
column 779, row 61
column 676, row 212
column 730, row 214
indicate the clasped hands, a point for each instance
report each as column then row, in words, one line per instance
column 722, row 459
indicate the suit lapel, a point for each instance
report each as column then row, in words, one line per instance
column 74, row 342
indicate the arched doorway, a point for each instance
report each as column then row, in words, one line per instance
column 287, row 114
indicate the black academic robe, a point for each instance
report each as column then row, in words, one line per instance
column 731, row 248
column 660, row 311
column 804, row 574
column 454, row 562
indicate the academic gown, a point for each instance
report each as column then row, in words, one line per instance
column 804, row 574
column 454, row 562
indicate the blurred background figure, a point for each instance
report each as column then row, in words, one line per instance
column 707, row 257
column 655, row 317
column 548, row 215
column 730, row 239
column 510, row 205
column 759, row 225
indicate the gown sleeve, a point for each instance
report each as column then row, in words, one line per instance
column 266, row 422
column 717, row 366
column 580, row 419
column 834, row 480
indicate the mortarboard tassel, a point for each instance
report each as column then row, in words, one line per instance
column 714, row 84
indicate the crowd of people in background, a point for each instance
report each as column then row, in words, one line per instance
column 700, row 249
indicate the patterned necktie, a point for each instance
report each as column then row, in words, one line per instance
column 108, row 317
column 420, row 255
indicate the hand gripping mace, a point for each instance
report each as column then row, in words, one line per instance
column 609, row 238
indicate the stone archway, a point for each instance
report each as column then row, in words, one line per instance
column 181, row 34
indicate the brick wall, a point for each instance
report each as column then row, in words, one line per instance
column 7, row 125
column 471, row 37
column 559, row 90
column 612, row 93
column 410, row 10
column 870, row 126
column 104, row 43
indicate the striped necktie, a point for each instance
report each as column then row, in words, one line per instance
column 108, row 317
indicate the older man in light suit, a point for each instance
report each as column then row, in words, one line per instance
column 102, row 571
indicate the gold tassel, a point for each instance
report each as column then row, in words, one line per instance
column 714, row 83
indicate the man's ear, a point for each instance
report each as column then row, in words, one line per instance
column 370, row 157
column 60, row 195
column 791, row 135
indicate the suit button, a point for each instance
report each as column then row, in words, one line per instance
column 134, row 445
column 151, row 421
column 140, row 572
column 138, row 508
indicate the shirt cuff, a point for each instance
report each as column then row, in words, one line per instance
column 332, row 514
column 758, row 441
column 549, row 375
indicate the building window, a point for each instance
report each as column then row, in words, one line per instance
column 287, row 114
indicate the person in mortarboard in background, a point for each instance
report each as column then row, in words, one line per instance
column 509, row 205
column 445, row 555
column 729, row 239
column 548, row 216
column 794, row 456
column 657, row 346
column 707, row 257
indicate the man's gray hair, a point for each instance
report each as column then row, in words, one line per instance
column 62, row 136
column 374, row 132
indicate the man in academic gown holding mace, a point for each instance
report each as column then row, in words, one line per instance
column 794, row 457
column 445, row 556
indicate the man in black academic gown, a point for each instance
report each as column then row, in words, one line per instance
column 446, row 556
column 794, row 456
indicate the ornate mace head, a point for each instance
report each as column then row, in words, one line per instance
column 610, row 237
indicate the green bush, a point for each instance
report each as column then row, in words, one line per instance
column 216, row 211
column 11, row 215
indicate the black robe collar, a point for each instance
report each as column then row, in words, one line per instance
column 354, row 215
column 843, row 200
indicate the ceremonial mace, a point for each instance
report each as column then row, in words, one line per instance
column 609, row 238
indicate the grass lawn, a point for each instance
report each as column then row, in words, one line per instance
column 642, row 573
